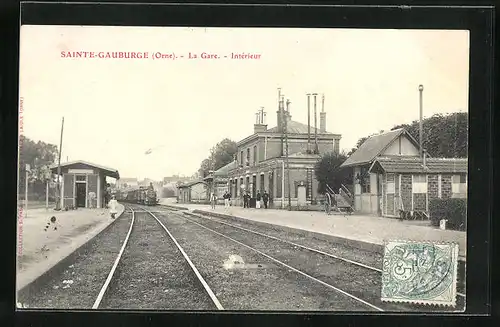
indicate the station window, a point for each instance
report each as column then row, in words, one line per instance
column 81, row 178
column 254, row 155
column 419, row 184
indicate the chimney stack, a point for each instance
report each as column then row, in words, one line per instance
column 279, row 113
column 260, row 125
column 322, row 116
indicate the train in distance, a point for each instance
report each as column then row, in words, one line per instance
column 141, row 195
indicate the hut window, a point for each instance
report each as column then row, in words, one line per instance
column 459, row 184
column 390, row 183
column 419, row 184
column 81, row 178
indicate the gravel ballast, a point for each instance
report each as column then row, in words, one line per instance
column 358, row 281
column 245, row 280
column 78, row 284
column 153, row 274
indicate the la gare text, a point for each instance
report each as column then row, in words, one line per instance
column 156, row 55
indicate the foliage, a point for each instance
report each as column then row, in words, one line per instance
column 38, row 155
column 444, row 136
column 168, row 192
column 328, row 172
column 453, row 210
column 220, row 155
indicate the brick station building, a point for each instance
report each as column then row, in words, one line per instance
column 389, row 175
column 79, row 178
column 409, row 183
column 260, row 160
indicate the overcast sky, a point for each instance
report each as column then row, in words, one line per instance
column 115, row 109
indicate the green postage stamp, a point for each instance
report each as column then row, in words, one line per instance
column 420, row 272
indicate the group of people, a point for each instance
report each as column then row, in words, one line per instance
column 259, row 199
column 226, row 197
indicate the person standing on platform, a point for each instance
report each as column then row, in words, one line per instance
column 257, row 200
column 92, row 196
column 265, row 198
column 213, row 198
column 113, row 207
column 226, row 200
column 245, row 200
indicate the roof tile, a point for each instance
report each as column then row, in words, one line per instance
column 415, row 165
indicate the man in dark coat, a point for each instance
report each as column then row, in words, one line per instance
column 265, row 198
column 244, row 199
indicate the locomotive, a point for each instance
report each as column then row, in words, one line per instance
column 146, row 196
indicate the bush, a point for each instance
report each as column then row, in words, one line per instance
column 453, row 210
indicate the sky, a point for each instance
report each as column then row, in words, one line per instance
column 116, row 109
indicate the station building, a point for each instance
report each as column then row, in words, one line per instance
column 389, row 175
column 193, row 192
column 260, row 161
column 79, row 178
column 218, row 181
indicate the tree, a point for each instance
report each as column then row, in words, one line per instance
column 358, row 144
column 168, row 192
column 443, row 135
column 220, row 155
column 328, row 171
column 39, row 155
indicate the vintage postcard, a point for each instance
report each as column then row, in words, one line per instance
column 242, row 169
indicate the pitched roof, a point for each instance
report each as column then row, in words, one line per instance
column 374, row 146
column 296, row 128
column 223, row 171
column 111, row 171
column 191, row 183
column 405, row 164
column 128, row 179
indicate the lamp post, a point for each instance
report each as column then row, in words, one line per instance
column 421, row 90
column 287, row 160
column 59, row 197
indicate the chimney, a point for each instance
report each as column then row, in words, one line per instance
column 260, row 125
column 279, row 113
column 322, row 116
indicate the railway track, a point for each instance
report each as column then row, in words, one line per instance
column 363, row 270
column 166, row 283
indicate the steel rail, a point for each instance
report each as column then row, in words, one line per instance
column 299, row 245
column 113, row 269
column 289, row 267
column 195, row 270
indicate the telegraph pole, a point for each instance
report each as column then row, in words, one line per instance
column 308, row 123
column 58, row 204
column 421, row 90
column 287, row 161
column 316, row 150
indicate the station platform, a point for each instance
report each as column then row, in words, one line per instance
column 42, row 243
column 367, row 232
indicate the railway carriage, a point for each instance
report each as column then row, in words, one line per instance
column 140, row 196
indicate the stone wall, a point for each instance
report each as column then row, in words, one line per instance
column 446, row 186
column 406, row 191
